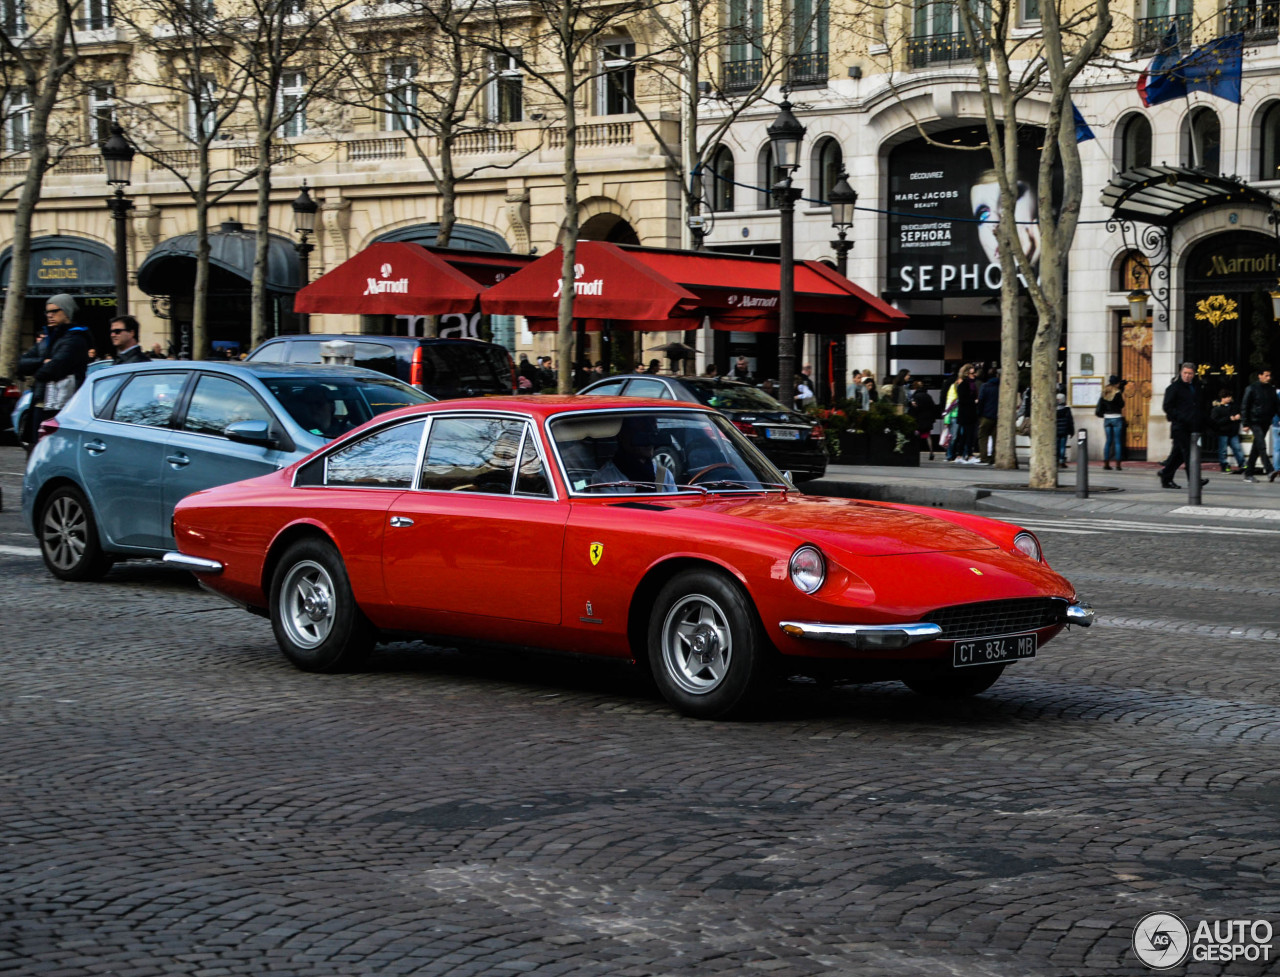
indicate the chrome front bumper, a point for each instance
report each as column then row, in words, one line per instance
column 891, row 636
column 193, row 563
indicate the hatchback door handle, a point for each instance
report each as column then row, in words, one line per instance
column 401, row 521
column 94, row 447
column 178, row 460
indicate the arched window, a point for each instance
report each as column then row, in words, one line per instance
column 768, row 176
column 1202, row 140
column 719, row 193
column 1132, row 270
column 1269, row 158
column 1135, row 142
column 827, row 160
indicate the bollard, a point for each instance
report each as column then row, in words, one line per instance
column 1082, row 464
column 1193, row 470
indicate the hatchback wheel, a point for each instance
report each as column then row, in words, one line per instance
column 706, row 650
column 313, row 611
column 69, row 537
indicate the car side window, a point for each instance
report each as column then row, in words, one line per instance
column 270, row 353
column 531, row 477
column 386, row 459
column 471, row 454
column 149, row 399
column 611, row 389
column 219, row 401
column 648, row 388
column 304, row 351
column 103, row 390
column 376, row 356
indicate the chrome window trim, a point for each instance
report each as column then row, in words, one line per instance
column 399, row 422
column 488, row 415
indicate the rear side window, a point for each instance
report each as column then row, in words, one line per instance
column 472, row 454
column 376, row 356
column 149, row 399
column 219, row 401
column 465, row 369
column 648, row 388
column 383, row 460
column 610, row 389
column 271, row 353
column 102, row 393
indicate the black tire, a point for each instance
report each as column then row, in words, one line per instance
column 667, row 456
column 961, row 685
column 313, row 611
column 706, row 650
column 69, row 536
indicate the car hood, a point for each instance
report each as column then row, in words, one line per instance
column 852, row 527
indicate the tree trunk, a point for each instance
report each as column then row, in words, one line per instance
column 564, row 317
column 200, row 292
column 20, row 260
column 261, row 327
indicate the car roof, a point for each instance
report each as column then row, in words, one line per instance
column 360, row 337
column 547, row 406
column 257, row 369
column 681, row 378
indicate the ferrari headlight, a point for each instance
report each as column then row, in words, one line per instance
column 807, row 568
column 1028, row 544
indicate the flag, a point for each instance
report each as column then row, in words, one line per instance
column 1215, row 67
column 1083, row 132
column 1160, row 83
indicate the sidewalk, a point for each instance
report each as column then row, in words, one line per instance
column 1135, row 491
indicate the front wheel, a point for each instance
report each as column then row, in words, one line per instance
column 706, row 650
column 69, row 537
column 313, row 611
column 969, row 682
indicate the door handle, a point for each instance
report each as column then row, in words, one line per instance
column 401, row 521
column 95, row 447
column 178, row 461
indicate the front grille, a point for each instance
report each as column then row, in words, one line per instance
column 997, row 617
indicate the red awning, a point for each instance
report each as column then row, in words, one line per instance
column 399, row 278
column 656, row 289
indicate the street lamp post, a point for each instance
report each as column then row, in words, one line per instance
column 117, row 156
column 843, row 199
column 786, row 133
column 304, row 222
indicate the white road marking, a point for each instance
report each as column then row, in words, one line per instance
column 1134, row 526
column 19, row 551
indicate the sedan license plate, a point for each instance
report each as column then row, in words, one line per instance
column 993, row 651
column 782, row 433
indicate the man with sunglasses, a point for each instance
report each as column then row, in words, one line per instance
column 124, row 337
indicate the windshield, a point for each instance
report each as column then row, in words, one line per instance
column 330, row 406
column 734, row 396
column 644, row 452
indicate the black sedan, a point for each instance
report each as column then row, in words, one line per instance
column 790, row 439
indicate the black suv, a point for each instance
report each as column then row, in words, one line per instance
column 444, row 368
column 790, row 439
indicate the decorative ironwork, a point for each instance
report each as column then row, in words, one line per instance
column 1257, row 21
column 928, row 49
column 1153, row 243
column 1149, row 32
column 1216, row 310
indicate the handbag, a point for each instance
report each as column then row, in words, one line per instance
column 945, row 438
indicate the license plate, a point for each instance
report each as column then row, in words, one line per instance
column 782, row 433
column 992, row 651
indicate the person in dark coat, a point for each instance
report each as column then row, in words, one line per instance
column 64, row 369
column 1256, row 410
column 1066, row 425
column 1183, row 407
column 1111, row 409
column 967, row 416
column 124, row 337
column 925, row 410
column 988, row 410
column 1224, row 421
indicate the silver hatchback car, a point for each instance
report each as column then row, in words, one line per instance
column 106, row 472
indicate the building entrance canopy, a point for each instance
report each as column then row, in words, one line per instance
column 1168, row 195
column 400, row 278
column 62, row 263
column 658, row 289
column 170, row 267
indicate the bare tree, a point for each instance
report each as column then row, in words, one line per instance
column 35, row 67
column 205, row 92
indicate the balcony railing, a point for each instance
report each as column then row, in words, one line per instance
column 601, row 134
column 246, row 157
column 484, row 143
column 809, row 69
column 742, row 76
column 1257, row 21
column 363, row 150
column 178, row 160
column 1149, row 32
column 930, row 49
column 83, row 163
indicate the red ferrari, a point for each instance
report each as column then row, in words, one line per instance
column 641, row 530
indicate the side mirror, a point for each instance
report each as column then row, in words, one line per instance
column 250, row 432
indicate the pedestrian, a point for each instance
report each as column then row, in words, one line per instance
column 63, row 370
column 1224, row 421
column 1111, row 409
column 804, row 393
column 988, row 411
column 742, row 370
column 1182, row 406
column 869, row 385
column 1257, row 409
column 951, row 414
column 1066, row 424
column 856, row 392
column 28, row 363
column 711, row 372
column 770, row 388
column 900, row 390
column 925, row 410
column 124, row 337
column 654, row 367
column 967, row 415
column 529, row 378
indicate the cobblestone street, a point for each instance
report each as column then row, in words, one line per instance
column 178, row 800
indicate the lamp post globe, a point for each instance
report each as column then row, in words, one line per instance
column 117, row 157
column 786, row 133
column 843, row 200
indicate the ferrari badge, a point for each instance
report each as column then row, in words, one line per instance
column 597, row 551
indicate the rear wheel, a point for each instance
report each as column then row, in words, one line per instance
column 967, row 682
column 313, row 611
column 69, row 537
column 706, row 650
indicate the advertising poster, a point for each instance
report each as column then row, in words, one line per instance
column 944, row 210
